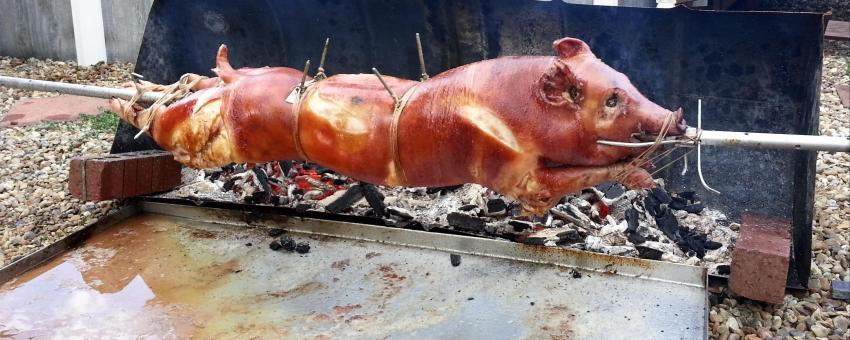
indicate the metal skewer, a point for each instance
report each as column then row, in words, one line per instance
column 320, row 72
column 424, row 76
column 76, row 89
column 691, row 136
column 387, row 87
column 750, row 140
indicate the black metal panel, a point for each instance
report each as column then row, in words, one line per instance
column 755, row 71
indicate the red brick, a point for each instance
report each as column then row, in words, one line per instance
column 131, row 173
column 760, row 260
column 123, row 175
column 144, row 170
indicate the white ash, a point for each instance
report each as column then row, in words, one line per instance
column 581, row 223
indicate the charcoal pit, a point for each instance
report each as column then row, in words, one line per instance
column 651, row 224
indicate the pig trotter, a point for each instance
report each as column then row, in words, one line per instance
column 542, row 189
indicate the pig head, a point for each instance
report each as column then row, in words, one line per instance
column 583, row 101
column 603, row 103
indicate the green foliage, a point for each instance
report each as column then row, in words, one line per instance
column 51, row 125
column 103, row 122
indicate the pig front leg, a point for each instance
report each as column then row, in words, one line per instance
column 542, row 188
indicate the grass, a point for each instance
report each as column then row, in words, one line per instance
column 104, row 122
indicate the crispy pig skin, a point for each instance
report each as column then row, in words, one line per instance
column 524, row 126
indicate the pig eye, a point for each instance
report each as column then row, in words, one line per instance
column 612, row 101
column 573, row 92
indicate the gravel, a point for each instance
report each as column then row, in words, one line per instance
column 812, row 314
column 839, row 8
column 36, row 209
column 35, row 206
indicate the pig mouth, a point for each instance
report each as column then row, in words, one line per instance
column 672, row 124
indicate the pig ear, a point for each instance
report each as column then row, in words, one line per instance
column 559, row 86
column 569, row 47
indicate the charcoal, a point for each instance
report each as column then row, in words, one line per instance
column 520, row 225
column 570, row 236
column 454, row 259
column 632, row 216
column 442, row 190
column 215, row 175
column 275, row 232
column 660, row 195
column 575, row 274
column 262, row 177
column 297, row 191
column 323, row 170
column 724, row 269
column 649, row 253
column 652, row 238
column 690, row 196
column 275, row 200
column 691, row 242
column 612, row 189
column 678, row 203
column 351, row 196
column 249, row 244
column 694, row 208
column 302, row 208
column 668, row 224
column 712, row 245
column 400, row 212
column 228, row 168
column 275, row 245
column 285, row 166
column 287, row 243
column 496, row 206
column 652, row 205
column 238, row 169
column 302, row 248
column 467, row 207
column 536, row 240
column 258, row 197
column 228, row 184
column 375, row 199
column 339, row 181
column 466, row 222
column 409, row 224
column 635, row 238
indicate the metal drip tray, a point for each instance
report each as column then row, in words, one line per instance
column 171, row 271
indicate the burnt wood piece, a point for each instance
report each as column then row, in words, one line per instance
column 375, row 199
column 351, row 196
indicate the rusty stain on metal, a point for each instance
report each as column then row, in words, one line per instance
column 594, row 257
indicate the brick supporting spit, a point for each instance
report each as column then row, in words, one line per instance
column 97, row 178
column 760, row 261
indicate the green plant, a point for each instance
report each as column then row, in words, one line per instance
column 105, row 121
column 51, row 125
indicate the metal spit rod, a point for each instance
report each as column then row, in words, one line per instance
column 770, row 140
column 77, row 89
column 692, row 136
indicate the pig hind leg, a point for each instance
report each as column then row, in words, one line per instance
column 545, row 186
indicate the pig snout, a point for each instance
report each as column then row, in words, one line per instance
column 655, row 123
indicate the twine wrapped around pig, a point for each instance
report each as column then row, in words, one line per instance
column 524, row 126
